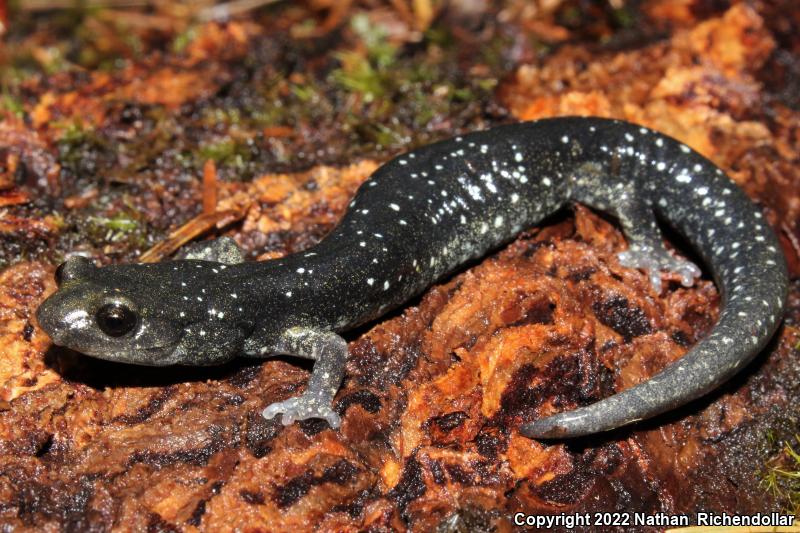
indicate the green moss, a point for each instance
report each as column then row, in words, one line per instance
column 184, row 39
column 374, row 36
column 12, row 105
column 781, row 475
column 74, row 140
column 219, row 151
column 306, row 93
column 358, row 75
column 367, row 71
column 230, row 116
column 122, row 227
column 229, row 154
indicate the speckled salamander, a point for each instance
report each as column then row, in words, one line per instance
column 418, row 218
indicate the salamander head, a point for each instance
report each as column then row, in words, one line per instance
column 120, row 313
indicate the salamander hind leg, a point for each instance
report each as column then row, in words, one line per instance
column 646, row 250
column 329, row 351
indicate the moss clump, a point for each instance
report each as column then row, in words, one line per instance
column 231, row 153
column 781, row 476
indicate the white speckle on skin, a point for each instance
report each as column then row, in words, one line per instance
column 683, row 178
column 518, row 157
column 77, row 319
column 385, row 285
column 629, row 137
column 685, row 149
column 498, row 221
column 565, row 139
column 395, row 207
column 514, row 199
column 370, row 281
column 288, row 294
column 659, row 142
column 547, row 181
column 702, row 191
column 301, row 270
column 402, row 222
column 362, row 244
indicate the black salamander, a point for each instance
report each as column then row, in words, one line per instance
column 415, row 220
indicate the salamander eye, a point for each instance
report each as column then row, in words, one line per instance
column 115, row 319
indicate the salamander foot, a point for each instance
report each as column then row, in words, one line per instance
column 301, row 408
column 656, row 261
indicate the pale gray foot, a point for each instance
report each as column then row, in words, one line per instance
column 329, row 351
column 221, row 250
column 658, row 260
column 618, row 196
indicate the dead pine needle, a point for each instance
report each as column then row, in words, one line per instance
column 209, row 187
column 189, row 231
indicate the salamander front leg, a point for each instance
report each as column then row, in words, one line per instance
column 646, row 249
column 329, row 351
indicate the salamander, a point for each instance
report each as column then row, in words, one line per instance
column 418, row 218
